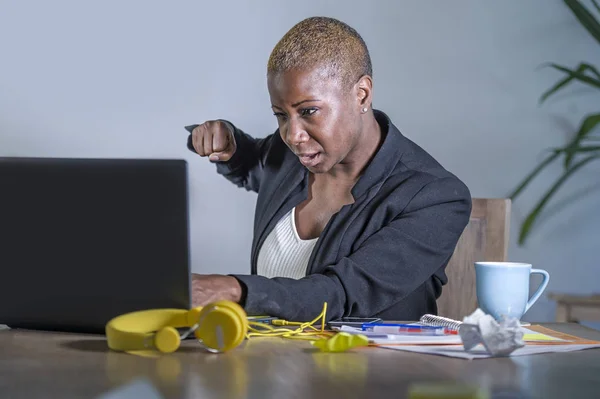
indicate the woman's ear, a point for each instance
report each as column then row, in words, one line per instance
column 364, row 92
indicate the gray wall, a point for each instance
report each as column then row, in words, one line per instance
column 122, row 78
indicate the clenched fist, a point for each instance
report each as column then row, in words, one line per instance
column 215, row 140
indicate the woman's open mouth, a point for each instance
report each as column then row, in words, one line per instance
column 309, row 159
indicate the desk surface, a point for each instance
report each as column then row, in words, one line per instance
column 60, row 365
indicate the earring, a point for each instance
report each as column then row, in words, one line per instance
column 364, row 110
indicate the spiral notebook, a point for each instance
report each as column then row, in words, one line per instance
column 529, row 335
column 439, row 321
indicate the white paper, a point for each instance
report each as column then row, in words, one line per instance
column 479, row 352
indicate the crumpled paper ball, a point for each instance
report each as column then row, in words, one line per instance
column 499, row 339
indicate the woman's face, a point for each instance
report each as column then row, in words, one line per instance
column 319, row 120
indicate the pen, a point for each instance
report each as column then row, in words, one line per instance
column 389, row 328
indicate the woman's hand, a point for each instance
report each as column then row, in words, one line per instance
column 207, row 288
column 214, row 139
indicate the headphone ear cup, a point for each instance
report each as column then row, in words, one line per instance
column 223, row 325
column 167, row 340
column 242, row 318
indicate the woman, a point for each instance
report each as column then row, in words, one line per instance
column 349, row 211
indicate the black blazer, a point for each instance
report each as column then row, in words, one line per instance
column 384, row 255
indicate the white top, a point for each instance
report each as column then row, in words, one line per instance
column 284, row 253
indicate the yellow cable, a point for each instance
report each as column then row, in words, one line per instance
column 254, row 328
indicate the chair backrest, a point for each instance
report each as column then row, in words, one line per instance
column 485, row 238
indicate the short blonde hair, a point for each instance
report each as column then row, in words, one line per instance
column 322, row 42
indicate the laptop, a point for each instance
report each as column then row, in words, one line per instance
column 85, row 240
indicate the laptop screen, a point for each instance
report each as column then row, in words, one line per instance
column 84, row 240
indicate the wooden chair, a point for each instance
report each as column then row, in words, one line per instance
column 484, row 239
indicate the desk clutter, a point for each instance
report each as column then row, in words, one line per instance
column 484, row 337
column 222, row 326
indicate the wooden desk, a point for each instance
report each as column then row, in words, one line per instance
column 58, row 365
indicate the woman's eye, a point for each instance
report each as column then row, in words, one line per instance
column 279, row 115
column 308, row 111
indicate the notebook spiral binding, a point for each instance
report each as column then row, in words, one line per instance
column 433, row 320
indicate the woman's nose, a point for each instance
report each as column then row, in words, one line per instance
column 296, row 133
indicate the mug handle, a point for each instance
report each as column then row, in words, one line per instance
column 541, row 288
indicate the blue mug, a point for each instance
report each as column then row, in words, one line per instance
column 503, row 288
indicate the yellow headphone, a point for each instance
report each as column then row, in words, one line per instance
column 220, row 326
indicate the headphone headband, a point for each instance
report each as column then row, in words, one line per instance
column 221, row 326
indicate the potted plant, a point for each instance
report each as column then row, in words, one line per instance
column 584, row 146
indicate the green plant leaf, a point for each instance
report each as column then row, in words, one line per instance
column 531, row 218
column 596, row 4
column 580, row 149
column 578, row 75
column 585, row 18
column 560, row 84
column 533, row 174
column 582, row 68
column 588, row 124
column 592, row 68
